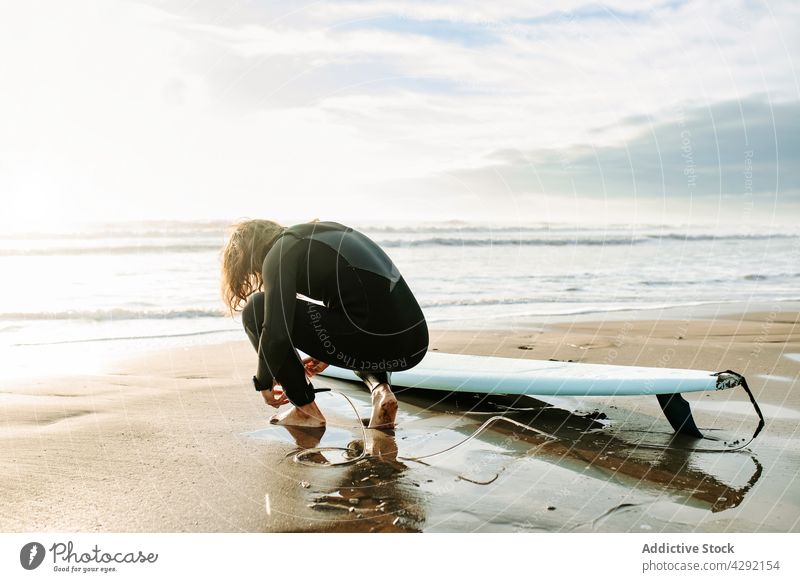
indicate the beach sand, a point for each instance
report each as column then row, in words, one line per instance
column 178, row 441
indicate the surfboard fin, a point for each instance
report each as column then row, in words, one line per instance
column 679, row 414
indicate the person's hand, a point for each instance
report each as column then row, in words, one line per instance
column 274, row 398
column 313, row 366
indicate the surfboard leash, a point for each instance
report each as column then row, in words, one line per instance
column 550, row 438
column 740, row 380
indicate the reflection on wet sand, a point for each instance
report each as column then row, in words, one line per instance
column 583, row 438
column 371, row 493
column 387, row 490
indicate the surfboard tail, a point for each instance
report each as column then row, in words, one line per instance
column 679, row 413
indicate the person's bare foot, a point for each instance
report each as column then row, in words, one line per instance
column 384, row 407
column 306, row 415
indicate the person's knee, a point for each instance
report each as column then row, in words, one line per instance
column 253, row 312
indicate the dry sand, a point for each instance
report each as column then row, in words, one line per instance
column 179, row 441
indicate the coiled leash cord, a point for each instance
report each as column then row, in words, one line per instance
column 299, row 457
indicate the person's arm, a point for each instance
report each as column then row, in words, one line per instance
column 279, row 273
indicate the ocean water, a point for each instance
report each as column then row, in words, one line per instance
column 153, row 284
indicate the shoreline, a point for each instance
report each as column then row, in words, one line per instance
column 699, row 310
column 176, row 440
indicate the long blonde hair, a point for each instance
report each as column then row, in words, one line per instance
column 242, row 259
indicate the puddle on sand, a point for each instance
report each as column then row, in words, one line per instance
column 387, row 490
column 502, row 480
column 343, row 445
column 793, row 357
column 375, row 494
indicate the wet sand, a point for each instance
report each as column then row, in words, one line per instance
column 179, row 441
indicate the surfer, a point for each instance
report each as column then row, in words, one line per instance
column 356, row 312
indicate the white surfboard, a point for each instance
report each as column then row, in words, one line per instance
column 495, row 375
column 516, row 376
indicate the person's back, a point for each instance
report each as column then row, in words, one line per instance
column 345, row 269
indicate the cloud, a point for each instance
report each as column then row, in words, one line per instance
column 166, row 108
column 476, row 11
column 552, row 75
column 701, row 152
column 734, row 159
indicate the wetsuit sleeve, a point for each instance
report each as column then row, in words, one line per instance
column 280, row 291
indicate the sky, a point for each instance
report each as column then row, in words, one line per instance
column 516, row 111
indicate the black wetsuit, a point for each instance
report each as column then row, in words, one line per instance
column 370, row 320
